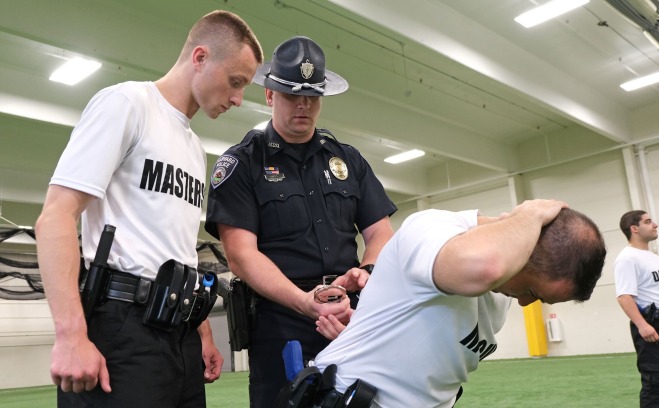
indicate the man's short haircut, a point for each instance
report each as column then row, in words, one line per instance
column 571, row 247
column 222, row 32
column 628, row 219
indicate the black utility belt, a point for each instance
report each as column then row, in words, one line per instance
column 179, row 294
column 241, row 303
column 127, row 287
column 310, row 284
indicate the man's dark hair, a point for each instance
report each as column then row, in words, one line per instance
column 628, row 219
column 571, row 247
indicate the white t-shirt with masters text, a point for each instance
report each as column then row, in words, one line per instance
column 138, row 156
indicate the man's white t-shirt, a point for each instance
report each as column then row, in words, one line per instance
column 636, row 273
column 411, row 341
column 138, row 156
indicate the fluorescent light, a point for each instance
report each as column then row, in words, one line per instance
column 262, row 125
column 405, row 156
column 548, row 11
column 651, row 38
column 74, row 71
column 640, row 82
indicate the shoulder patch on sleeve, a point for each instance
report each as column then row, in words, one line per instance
column 224, row 166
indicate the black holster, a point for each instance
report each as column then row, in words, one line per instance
column 203, row 300
column 95, row 281
column 93, row 287
column 313, row 389
column 240, row 305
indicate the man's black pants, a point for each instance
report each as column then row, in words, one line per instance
column 647, row 362
column 148, row 367
column 275, row 326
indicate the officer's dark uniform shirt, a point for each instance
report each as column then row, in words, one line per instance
column 305, row 211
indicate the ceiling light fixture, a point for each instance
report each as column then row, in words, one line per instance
column 74, row 71
column 262, row 125
column 640, row 82
column 405, row 156
column 651, row 38
column 548, row 11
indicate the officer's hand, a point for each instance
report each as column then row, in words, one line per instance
column 648, row 333
column 330, row 326
column 353, row 280
column 77, row 365
column 315, row 309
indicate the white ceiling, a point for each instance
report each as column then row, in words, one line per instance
column 483, row 96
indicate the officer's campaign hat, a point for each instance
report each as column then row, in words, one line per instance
column 298, row 68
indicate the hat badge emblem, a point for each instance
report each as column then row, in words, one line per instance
column 306, row 68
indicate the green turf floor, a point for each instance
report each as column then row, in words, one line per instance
column 602, row 381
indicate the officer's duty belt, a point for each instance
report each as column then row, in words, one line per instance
column 652, row 317
column 310, row 284
column 127, row 287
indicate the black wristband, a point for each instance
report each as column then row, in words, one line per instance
column 368, row 268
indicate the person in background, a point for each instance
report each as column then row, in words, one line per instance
column 134, row 162
column 442, row 288
column 636, row 271
column 287, row 204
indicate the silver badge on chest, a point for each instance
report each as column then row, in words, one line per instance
column 338, row 168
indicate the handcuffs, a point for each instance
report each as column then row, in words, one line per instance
column 328, row 293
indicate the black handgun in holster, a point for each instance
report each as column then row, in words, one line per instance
column 97, row 278
column 240, row 304
column 175, row 297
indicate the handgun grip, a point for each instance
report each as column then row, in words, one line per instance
column 293, row 362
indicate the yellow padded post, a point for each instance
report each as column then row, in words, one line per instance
column 536, row 335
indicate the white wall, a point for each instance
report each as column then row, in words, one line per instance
column 26, row 338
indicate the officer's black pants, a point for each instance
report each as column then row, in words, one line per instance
column 648, row 365
column 274, row 327
column 148, row 367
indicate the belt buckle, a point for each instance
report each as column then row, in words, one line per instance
column 328, row 279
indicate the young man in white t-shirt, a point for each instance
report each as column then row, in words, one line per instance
column 636, row 272
column 441, row 289
column 134, row 162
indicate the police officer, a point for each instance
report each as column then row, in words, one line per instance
column 288, row 203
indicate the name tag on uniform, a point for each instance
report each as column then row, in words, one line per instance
column 272, row 174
